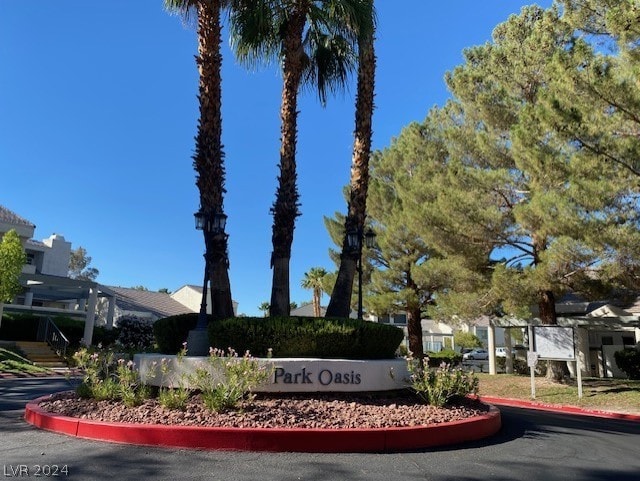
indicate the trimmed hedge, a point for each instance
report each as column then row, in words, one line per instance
column 287, row 337
column 447, row 356
column 628, row 360
column 307, row 337
column 19, row 327
column 172, row 331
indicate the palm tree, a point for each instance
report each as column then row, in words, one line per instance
column 208, row 158
column 312, row 40
column 313, row 280
column 264, row 307
column 340, row 302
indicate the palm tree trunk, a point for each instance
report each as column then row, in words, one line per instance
column 221, row 301
column 209, row 156
column 340, row 302
column 316, row 302
column 285, row 208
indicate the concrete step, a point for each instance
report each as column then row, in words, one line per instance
column 41, row 354
column 51, row 364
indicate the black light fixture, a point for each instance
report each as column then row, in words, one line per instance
column 215, row 223
column 370, row 238
column 200, row 220
column 355, row 241
column 218, row 223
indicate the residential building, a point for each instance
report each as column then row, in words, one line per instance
column 48, row 291
column 190, row 296
column 435, row 335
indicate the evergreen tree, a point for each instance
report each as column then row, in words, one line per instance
column 548, row 205
column 79, row 265
column 592, row 103
column 12, row 259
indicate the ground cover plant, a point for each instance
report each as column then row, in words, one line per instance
column 13, row 362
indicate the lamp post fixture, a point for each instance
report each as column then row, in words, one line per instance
column 209, row 224
column 354, row 241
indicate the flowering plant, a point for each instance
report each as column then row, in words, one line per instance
column 441, row 385
column 227, row 379
column 109, row 377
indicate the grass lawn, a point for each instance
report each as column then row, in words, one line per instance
column 12, row 362
column 618, row 395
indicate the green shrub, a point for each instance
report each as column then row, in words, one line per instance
column 105, row 337
column 107, row 377
column 19, row 327
column 73, row 329
column 238, row 376
column 135, row 333
column 440, row 386
column 307, row 337
column 628, row 360
column 521, row 367
column 446, row 356
column 172, row 331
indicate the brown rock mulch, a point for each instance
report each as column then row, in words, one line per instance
column 326, row 411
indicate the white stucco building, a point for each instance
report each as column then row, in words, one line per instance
column 48, row 291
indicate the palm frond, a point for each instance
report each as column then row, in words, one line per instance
column 255, row 30
column 332, row 61
column 183, row 8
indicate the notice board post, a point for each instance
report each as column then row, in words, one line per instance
column 553, row 343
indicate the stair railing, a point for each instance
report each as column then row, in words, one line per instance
column 50, row 333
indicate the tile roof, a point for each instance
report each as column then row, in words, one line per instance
column 36, row 243
column 159, row 304
column 11, row 217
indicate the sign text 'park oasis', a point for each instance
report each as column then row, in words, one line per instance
column 324, row 377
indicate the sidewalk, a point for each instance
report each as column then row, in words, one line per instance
column 57, row 372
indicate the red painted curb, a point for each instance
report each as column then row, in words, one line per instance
column 268, row 439
column 521, row 403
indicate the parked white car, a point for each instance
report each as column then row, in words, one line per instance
column 501, row 352
column 481, row 354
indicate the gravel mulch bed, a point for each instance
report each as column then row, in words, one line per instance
column 336, row 411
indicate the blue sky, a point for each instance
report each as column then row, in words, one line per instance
column 98, row 113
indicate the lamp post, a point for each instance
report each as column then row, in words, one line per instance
column 215, row 223
column 354, row 241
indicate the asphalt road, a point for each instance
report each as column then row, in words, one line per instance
column 532, row 446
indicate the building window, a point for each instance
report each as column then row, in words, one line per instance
column 628, row 340
column 30, row 259
column 607, row 340
column 400, row 319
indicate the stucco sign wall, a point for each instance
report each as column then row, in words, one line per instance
column 291, row 374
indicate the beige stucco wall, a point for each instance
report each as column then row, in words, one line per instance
column 56, row 258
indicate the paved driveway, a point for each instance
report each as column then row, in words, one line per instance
column 531, row 446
